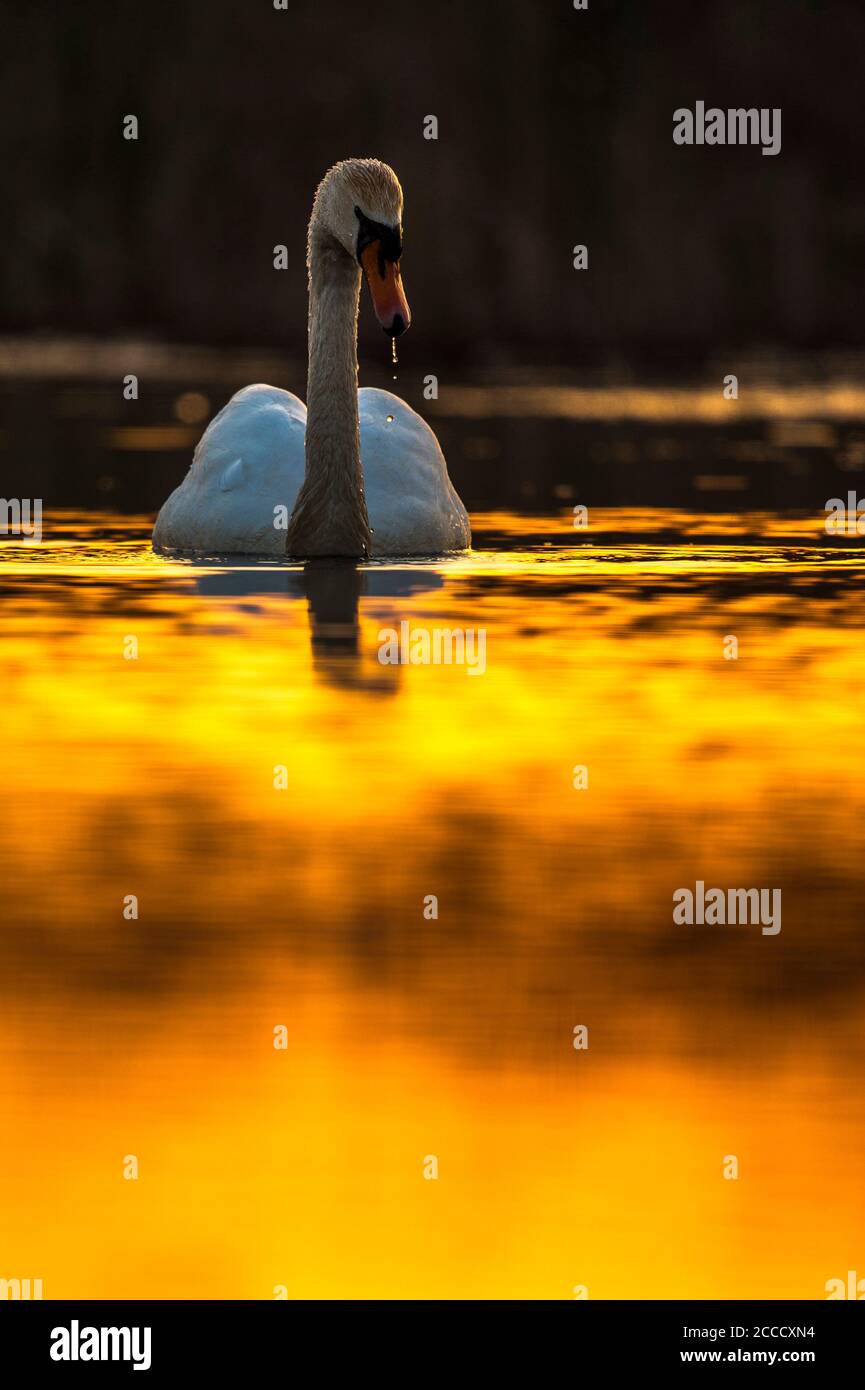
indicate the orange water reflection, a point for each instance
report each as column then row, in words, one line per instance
column 410, row 1037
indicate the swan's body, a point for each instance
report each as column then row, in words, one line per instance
column 357, row 472
column 250, row 462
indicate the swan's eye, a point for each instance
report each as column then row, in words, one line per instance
column 388, row 237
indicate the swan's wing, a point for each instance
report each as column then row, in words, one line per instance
column 243, row 481
column 413, row 506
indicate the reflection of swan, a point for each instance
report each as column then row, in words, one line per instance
column 248, row 476
column 334, row 590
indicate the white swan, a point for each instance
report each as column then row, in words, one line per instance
column 266, row 457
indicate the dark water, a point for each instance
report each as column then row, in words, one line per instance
column 519, row 440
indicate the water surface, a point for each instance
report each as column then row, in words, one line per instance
column 408, row 1037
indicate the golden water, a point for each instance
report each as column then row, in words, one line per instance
column 407, row 1037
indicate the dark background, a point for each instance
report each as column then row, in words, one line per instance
column 555, row 127
column 155, row 256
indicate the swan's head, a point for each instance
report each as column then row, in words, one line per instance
column 359, row 203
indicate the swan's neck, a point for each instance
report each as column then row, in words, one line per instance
column 330, row 516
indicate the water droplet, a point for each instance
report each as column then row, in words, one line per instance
column 393, row 357
column 390, row 419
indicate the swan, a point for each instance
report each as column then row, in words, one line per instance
column 352, row 473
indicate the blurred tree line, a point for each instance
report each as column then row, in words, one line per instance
column 555, row 128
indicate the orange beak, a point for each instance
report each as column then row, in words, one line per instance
column 385, row 286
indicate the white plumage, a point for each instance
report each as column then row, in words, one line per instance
column 250, row 462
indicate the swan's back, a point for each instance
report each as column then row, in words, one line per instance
column 250, row 461
column 413, row 506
